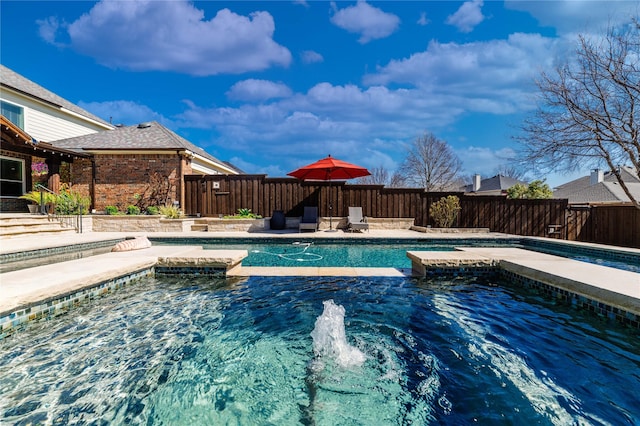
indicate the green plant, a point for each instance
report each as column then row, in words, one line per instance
column 111, row 210
column 69, row 203
column 133, row 210
column 535, row 190
column 445, row 210
column 36, row 197
column 244, row 214
column 153, row 210
column 171, row 212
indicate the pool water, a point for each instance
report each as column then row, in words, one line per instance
column 303, row 253
column 50, row 258
column 241, row 352
column 374, row 253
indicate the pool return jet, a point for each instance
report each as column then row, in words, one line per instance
column 329, row 169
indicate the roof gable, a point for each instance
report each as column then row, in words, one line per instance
column 495, row 183
column 609, row 190
column 142, row 137
column 15, row 81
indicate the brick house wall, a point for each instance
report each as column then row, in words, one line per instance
column 119, row 177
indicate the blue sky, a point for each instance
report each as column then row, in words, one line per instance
column 273, row 85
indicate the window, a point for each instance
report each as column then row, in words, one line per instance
column 14, row 113
column 12, row 177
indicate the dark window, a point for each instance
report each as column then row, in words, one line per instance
column 11, row 177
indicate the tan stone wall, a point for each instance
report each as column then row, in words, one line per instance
column 139, row 224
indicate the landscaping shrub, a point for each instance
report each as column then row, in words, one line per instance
column 153, row 210
column 133, row 210
column 69, row 203
column 244, row 214
column 171, row 212
column 111, row 210
column 445, row 211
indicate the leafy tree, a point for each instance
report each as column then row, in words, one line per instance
column 588, row 111
column 431, row 164
column 535, row 190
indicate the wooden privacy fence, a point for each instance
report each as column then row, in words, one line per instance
column 215, row 195
column 605, row 224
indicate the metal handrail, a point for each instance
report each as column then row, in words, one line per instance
column 65, row 220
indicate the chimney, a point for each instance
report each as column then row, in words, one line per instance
column 597, row 176
column 475, row 187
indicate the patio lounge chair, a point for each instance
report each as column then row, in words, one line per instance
column 355, row 220
column 309, row 219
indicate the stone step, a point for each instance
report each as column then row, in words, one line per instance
column 6, row 234
column 26, row 218
column 11, row 226
column 200, row 227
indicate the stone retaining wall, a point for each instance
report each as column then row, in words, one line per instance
column 108, row 223
column 142, row 223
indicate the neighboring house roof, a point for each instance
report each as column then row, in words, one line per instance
column 496, row 184
column 12, row 80
column 581, row 190
column 148, row 136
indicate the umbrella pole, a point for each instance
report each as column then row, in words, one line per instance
column 330, row 210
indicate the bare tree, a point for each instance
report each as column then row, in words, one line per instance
column 378, row 176
column 431, row 164
column 397, row 180
column 512, row 171
column 588, row 113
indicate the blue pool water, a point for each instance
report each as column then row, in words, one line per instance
column 241, row 351
column 375, row 253
column 306, row 253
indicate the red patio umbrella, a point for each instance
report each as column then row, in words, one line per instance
column 329, row 169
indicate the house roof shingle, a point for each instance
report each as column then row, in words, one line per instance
column 497, row 184
column 144, row 136
column 13, row 80
column 581, row 190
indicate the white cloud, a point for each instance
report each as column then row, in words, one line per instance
column 258, row 90
column 301, row 3
column 467, row 17
column 48, row 30
column 124, row 112
column 311, row 57
column 423, row 19
column 484, row 160
column 493, row 76
column 581, row 16
column 368, row 21
column 271, row 170
column 151, row 35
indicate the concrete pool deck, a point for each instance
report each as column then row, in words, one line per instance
column 23, row 288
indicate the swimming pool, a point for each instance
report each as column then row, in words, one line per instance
column 388, row 253
column 240, row 351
